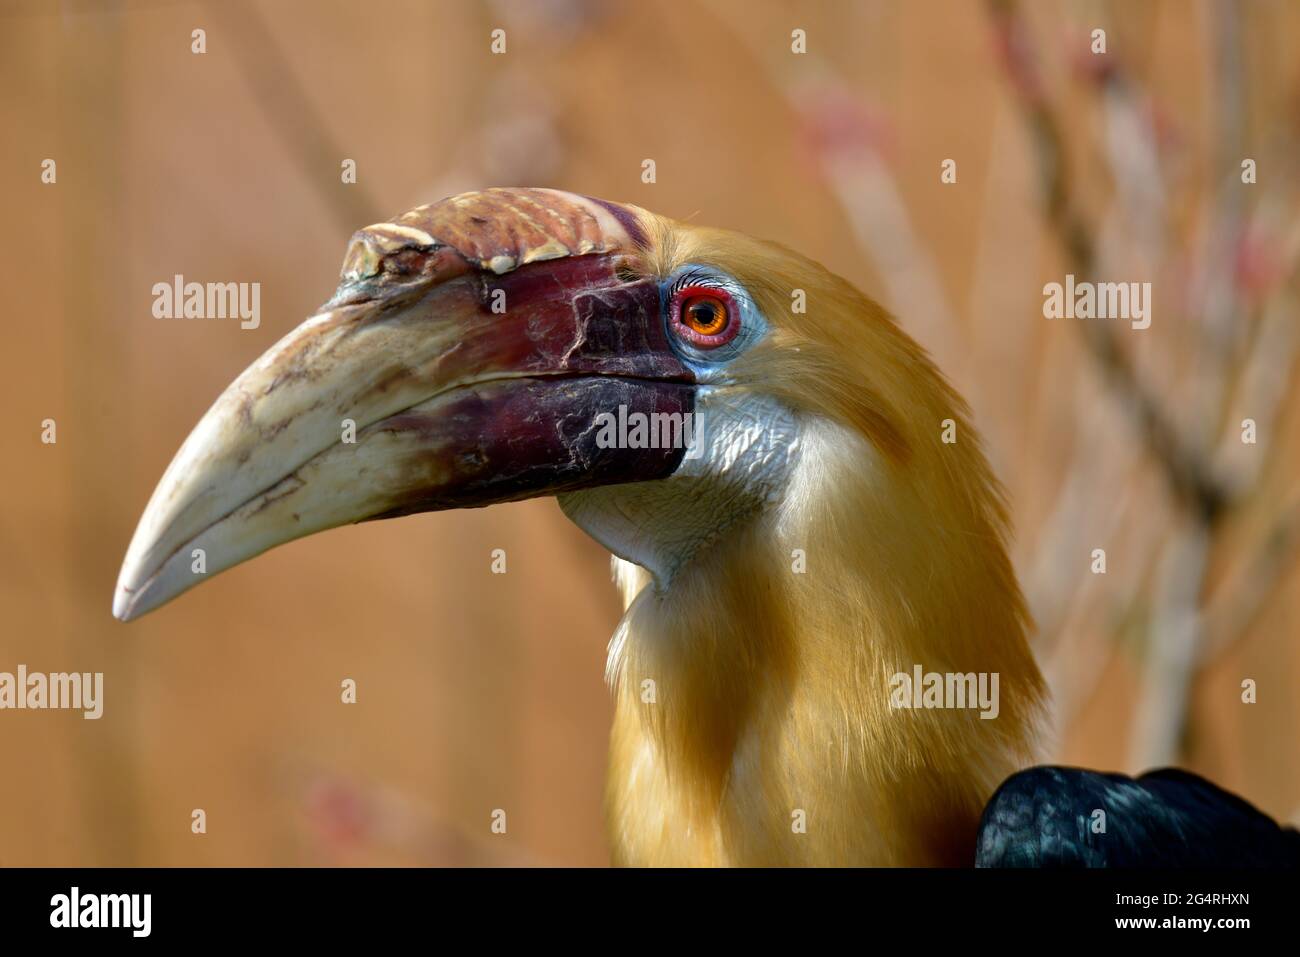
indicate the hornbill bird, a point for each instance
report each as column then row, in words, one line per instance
column 813, row 541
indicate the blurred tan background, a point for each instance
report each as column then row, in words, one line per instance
column 479, row 691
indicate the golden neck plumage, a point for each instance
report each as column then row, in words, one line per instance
column 753, row 718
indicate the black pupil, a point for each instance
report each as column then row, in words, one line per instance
column 704, row 313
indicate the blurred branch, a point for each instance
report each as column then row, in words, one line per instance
column 1224, row 324
column 1081, row 519
column 845, row 139
column 1263, row 380
column 1181, row 635
column 291, row 112
column 1170, row 654
column 1241, row 599
column 1187, row 471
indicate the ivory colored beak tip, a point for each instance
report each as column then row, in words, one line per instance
column 129, row 602
column 121, row 604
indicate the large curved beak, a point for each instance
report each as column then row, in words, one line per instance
column 464, row 361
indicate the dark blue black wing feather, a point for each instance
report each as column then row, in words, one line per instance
column 1048, row 817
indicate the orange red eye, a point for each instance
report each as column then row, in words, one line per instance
column 705, row 317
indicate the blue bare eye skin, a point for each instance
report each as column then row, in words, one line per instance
column 709, row 365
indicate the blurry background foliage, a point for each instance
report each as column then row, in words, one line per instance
column 480, row 691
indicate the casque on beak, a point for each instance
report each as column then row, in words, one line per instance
column 466, row 354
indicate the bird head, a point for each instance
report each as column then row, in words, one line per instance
column 516, row 343
column 758, row 443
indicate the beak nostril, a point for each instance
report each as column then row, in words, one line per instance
column 404, row 261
